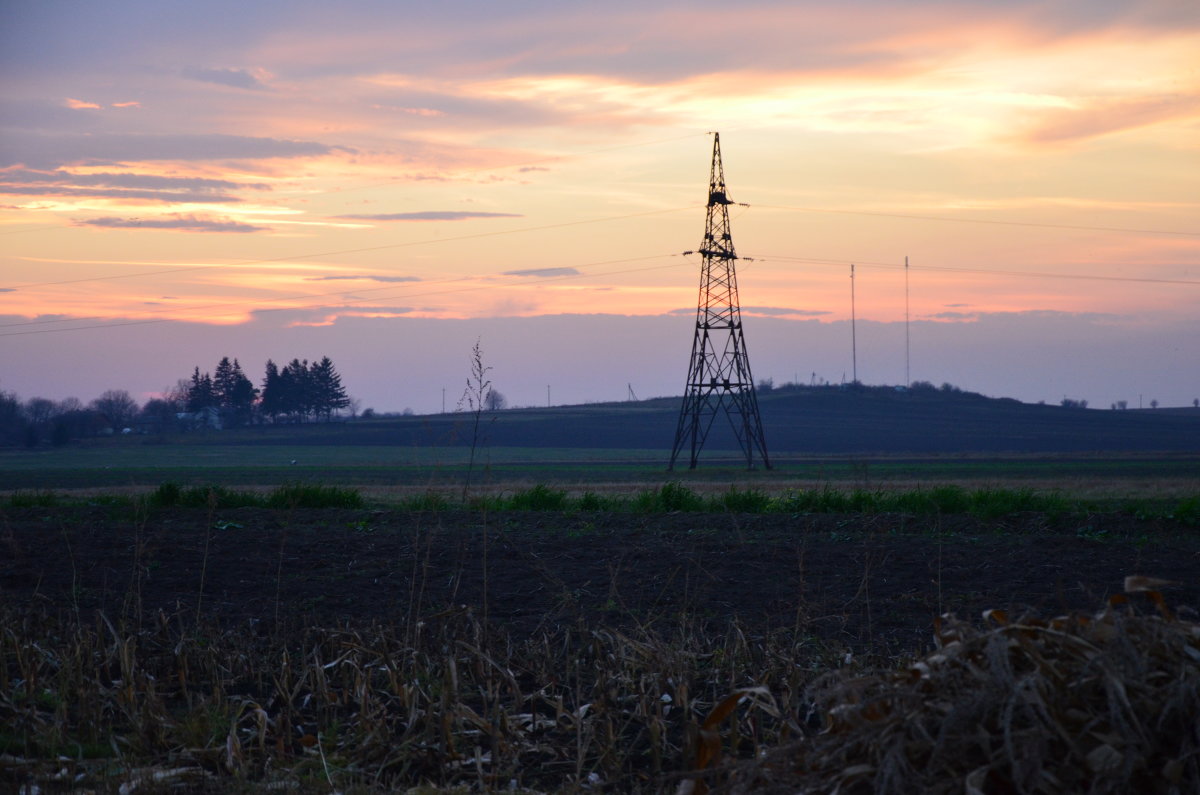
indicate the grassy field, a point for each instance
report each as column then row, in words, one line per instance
column 233, row 459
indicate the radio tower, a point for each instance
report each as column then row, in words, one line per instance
column 719, row 377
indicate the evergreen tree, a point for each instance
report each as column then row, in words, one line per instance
column 222, row 382
column 201, row 393
column 328, row 394
column 289, row 392
column 271, row 404
column 239, row 396
column 294, row 380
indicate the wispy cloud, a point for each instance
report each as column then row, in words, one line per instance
column 115, row 193
column 183, row 223
column 79, row 104
column 765, row 311
column 129, row 186
column 427, row 112
column 54, row 150
column 125, row 180
column 1103, row 117
column 235, row 78
column 782, row 310
column 951, row 315
column 429, row 215
column 364, row 278
column 543, row 272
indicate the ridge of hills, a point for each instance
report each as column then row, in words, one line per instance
column 823, row 420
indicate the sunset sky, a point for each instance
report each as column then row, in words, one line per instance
column 386, row 182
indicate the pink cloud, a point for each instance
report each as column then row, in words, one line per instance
column 127, row 104
column 79, row 104
column 426, row 112
column 1105, row 117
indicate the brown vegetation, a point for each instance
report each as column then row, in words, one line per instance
column 355, row 650
column 1099, row 704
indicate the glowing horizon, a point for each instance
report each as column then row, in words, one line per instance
column 363, row 163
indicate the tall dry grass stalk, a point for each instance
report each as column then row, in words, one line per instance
column 208, row 531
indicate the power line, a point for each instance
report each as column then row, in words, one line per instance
column 914, row 217
column 227, row 304
column 407, row 244
column 525, row 163
column 346, row 302
column 997, row 271
column 480, row 170
column 766, row 258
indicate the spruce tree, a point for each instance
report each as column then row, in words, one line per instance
column 223, row 383
column 271, row 397
column 297, row 392
column 241, row 394
column 201, row 393
column 328, row 394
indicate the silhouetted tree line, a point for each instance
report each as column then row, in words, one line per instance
column 228, row 390
column 300, row 392
column 40, row 420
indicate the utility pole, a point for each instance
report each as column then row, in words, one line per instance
column 718, row 379
column 547, row 396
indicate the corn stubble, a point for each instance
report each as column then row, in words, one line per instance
column 1103, row 703
column 443, row 702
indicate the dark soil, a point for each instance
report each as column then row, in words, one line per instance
column 868, row 582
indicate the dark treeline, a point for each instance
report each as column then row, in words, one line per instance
column 299, row 392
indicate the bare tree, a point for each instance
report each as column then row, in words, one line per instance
column 67, row 405
column 159, row 415
column 118, row 407
column 495, row 401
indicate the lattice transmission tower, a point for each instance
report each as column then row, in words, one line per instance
column 719, row 379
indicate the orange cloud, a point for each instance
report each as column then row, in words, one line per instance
column 79, row 104
column 127, row 104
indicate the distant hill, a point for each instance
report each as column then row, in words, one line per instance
column 806, row 421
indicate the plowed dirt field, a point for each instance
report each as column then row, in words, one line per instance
column 866, row 581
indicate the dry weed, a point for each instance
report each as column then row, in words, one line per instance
column 1099, row 704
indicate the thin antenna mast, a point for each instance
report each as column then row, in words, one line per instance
column 907, row 375
column 853, row 324
column 719, row 379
